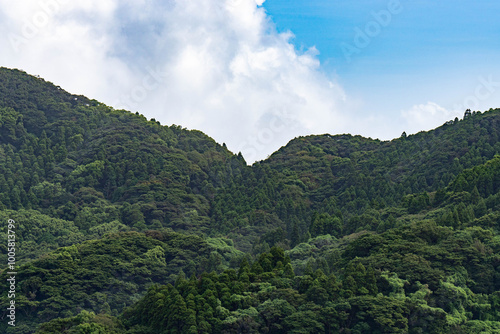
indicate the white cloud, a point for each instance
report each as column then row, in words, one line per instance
column 426, row 117
column 220, row 67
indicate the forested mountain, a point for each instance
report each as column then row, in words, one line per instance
column 127, row 226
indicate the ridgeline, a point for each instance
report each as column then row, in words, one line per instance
column 127, row 226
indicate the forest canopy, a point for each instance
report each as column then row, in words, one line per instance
column 125, row 225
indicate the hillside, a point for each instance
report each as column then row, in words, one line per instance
column 351, row 179
column 128, row 226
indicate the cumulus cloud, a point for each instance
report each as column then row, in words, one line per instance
column 217, row 66
column 426, row 116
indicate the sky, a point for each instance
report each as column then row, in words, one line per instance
column 254, row 74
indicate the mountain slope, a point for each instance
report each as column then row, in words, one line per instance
column 60, row 154
column 339, row 233
column 344, row 177
column 77, row 158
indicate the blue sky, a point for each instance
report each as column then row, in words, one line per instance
column 254, row 74
column 429, row 50
column 422, row 33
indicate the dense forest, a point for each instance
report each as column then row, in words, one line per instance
column 124, row 225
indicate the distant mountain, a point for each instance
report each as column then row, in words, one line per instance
column 158, row 229
column 345, row 177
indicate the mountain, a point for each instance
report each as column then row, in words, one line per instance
column 127, row 226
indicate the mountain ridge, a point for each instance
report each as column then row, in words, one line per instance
column 329, row 234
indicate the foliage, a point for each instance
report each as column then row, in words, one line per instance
column 127, row 226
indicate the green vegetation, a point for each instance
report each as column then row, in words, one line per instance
column 127, row 226
column 104, row 275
